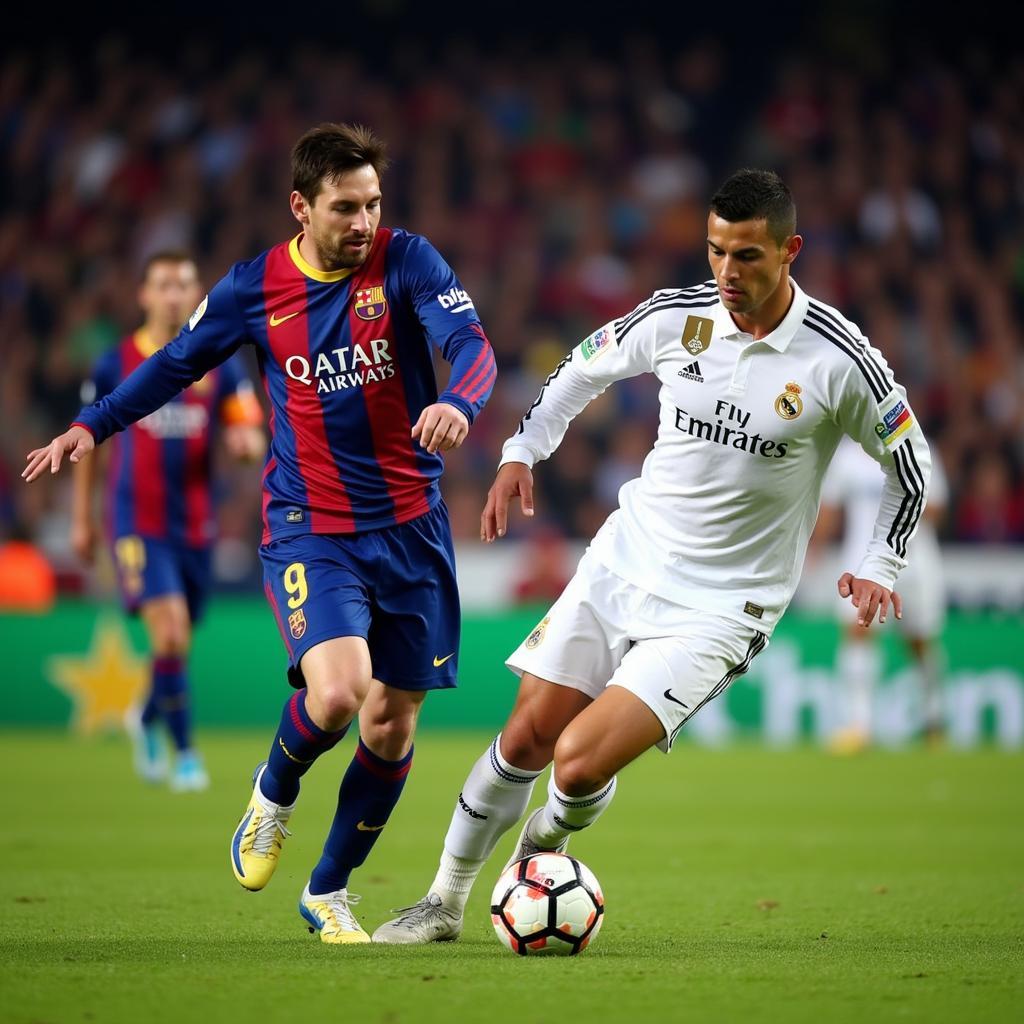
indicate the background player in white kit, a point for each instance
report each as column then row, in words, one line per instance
column 849, row 502
column 682, row 585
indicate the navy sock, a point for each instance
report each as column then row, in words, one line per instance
column 150, row 710
column 170, row 698
column 298, row 743
column 368, row 794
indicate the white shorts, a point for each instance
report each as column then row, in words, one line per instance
column 603, row 631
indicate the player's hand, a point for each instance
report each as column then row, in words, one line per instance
column 440, row 427
column 83, row 540
column 78, row 441
column 869, row 597
column 245, row 443
column 514, row 478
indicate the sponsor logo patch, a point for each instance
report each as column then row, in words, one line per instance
column 294, row 515
column 370, row 303
column 455, row 300
column 535, row 638
column 297, row 623
column 753, row 609
column 789, row 404
column 597, row 343
column 697, row 334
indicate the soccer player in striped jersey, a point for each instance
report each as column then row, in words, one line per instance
column 159, row 510
column 682, row 586
column 357, row 551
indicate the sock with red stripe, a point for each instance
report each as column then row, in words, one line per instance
column 169, row 699
column 368, row 794
column 298, row 743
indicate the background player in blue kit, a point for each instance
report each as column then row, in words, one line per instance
column 357, row 552
column 159, row 511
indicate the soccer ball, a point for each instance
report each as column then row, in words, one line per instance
column 547, row 904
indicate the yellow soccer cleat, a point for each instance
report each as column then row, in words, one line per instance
column 256, row 844
column 331, row 915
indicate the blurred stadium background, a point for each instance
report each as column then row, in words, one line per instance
column 564, row 172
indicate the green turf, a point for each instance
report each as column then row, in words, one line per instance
column 744, row 885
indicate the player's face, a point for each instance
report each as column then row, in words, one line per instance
column 342, row 219
column 747, row 262
column 169, row 294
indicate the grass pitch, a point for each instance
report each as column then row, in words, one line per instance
column 742, row 885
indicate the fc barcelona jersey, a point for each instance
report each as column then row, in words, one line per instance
column 159, row 480
column 346, row 360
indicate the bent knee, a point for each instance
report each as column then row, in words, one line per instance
column 333, row 705
column 527, row 742
column 576, row 771
column 389, row 737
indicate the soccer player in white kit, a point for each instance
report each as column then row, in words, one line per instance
column 851, row 490
column 681, row 587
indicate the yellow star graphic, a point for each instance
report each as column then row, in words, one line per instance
column 105, row 683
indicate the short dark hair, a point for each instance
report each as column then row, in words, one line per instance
column 163, row 256
column 329, row 150
column 757, row 195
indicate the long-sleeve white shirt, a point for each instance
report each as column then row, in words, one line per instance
column 720, row 515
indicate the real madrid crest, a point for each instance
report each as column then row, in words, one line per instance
column 370, row 303
column 789, row 404
column 297, row 623
column 534, row 639
column 697, row 334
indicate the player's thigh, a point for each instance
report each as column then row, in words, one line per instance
column 387, row 719
column 613, row 731
column 541, row 712
column 316, row 587
column 337, row 674
column 676, row 674
column 583, row 637
column 415, row 631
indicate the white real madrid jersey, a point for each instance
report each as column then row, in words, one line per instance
column 720, row 515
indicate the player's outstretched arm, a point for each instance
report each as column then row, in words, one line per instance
column 514, row 478
column 78, row 441
column 869, row 597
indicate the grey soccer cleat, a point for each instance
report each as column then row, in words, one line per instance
column 425, row 921
column 526, row 847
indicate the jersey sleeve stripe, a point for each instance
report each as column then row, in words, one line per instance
column 877, row 390
column 827, row 318
column 485, row 383
column 540, row 397
column 707, row 293
column 469, row 387
column 471, row 374
column 910, row 476
column 703, row 303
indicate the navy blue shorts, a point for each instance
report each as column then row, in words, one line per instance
column 395, row 587
column 148, row 568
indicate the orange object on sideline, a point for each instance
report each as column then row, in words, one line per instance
column 27, row 580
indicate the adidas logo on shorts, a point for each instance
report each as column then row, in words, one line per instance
column 692, row 372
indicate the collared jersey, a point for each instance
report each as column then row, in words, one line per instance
column 346, row 360
column 159, row 481
column 720, row 515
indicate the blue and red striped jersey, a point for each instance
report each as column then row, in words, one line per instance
column 159, row 480
column 346, row 360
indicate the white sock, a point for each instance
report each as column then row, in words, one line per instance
column 859, row 664
column 564, row 815
column 493, row 798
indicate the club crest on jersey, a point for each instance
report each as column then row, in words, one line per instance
column 535, row 638
column 697, row 334
column 297, row 623
column 370, row 303
column 789, row 404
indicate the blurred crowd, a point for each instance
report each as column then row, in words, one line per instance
column 563, row 186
